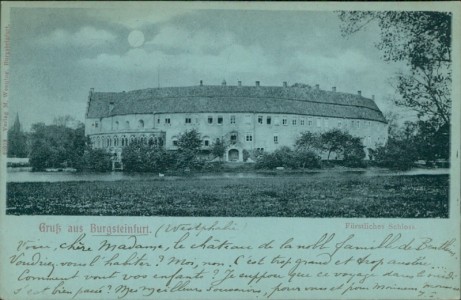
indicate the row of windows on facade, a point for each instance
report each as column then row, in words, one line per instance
column 125, row 141
column 320, row 122
column 115, row 141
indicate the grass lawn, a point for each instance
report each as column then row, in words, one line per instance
column 350, row 195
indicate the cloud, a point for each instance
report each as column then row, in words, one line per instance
column 85, row 37
column 200, row 41
column 139, row 15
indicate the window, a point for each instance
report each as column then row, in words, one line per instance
column 188, row 120
column 158, row 121
column 220, row 119
column 358, row 124
column 127, row 124
column 249, row 137
column 232, row 119
column 141, row 124
column 276, row 139
column 96, row 124
column 268, row 120
column 210, row 120
column 167, row 121
column 309, row 122
column 302, row 122
column 284, row 121
column 293, row 121
column 206, row 143
column 174, row 141
column 233, row 138
column 260, row 119
column 115, row 141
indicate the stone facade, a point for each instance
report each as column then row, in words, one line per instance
column 240, row 130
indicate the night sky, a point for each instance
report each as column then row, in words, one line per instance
column 58, row 54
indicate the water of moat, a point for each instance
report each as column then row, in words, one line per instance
column 25, row 176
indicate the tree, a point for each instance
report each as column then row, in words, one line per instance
column 218, row 149
column 422, row 40
column 308, row 141
column 189, row 144
column 190, row 141
column 54, row 146
column 334, row 141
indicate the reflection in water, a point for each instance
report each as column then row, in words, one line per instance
column 24, row 176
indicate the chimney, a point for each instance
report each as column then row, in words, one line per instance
column 257, row 83
column 223, row 83
column 373, row 97
column 317, row 87
column 285, row 84
column 201, row 82
column 239, row 83
column 333, row 89
column 359, row 92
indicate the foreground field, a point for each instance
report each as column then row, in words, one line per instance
column 350, row 195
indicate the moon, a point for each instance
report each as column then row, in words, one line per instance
column 136, row 38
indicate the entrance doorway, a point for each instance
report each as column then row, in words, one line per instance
column 233, row 155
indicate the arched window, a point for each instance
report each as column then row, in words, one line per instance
column 141, row 124
column 160, row 142
column 109, row 142
column 122, row 140
column 127, row 125
column 132, row 138
column 143, row 139
column 98, row 142
column 115, row 141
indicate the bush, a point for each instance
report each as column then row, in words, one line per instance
column 396, row 154
column 96, row 160
column 283, row 157
column 140, row 157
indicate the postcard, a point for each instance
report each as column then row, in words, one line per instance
column 221, row 150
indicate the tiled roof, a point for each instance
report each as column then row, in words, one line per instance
column 227, row 99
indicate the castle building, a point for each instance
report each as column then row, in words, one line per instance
column 248, row 118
